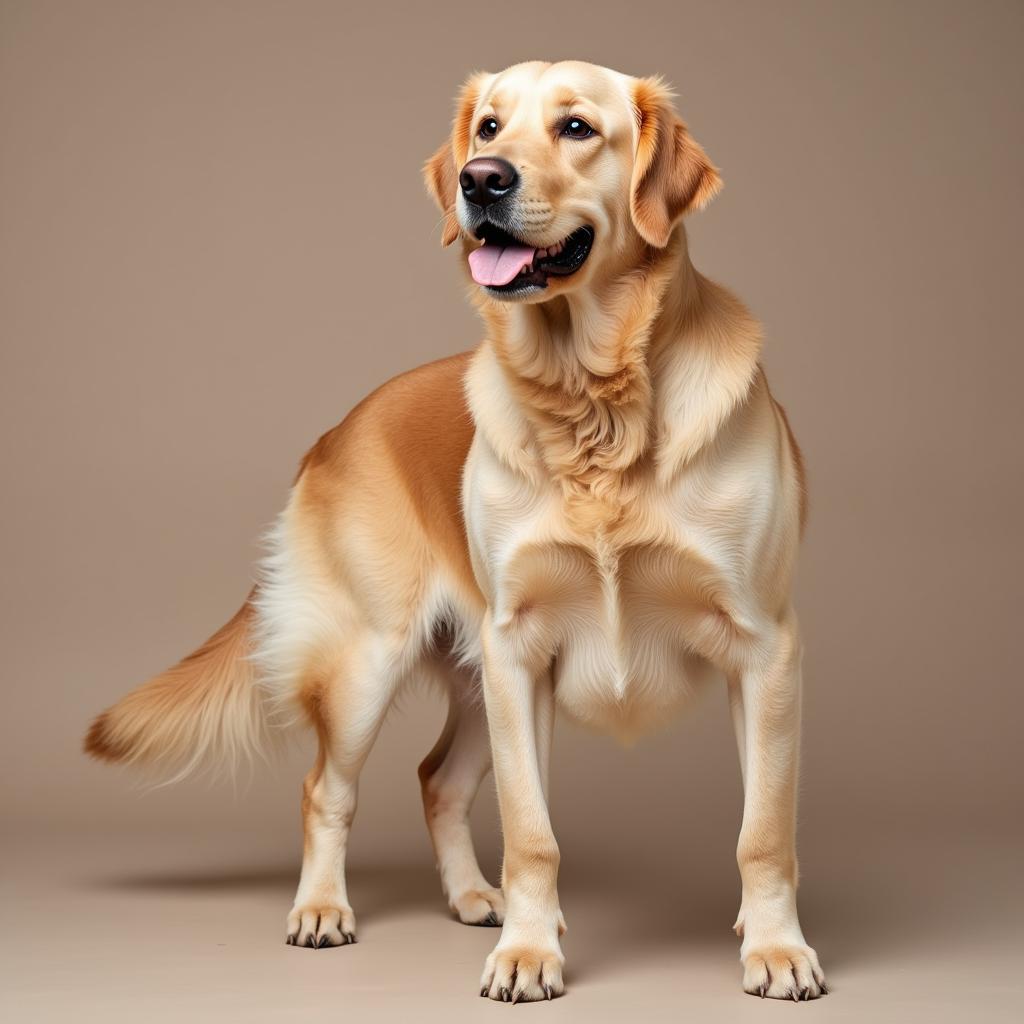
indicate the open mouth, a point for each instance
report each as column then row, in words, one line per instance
column 506, row 264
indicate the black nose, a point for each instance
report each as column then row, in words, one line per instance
column 486, row 179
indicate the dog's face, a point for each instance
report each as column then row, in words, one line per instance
column 557, row 174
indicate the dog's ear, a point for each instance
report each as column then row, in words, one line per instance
column 442, row 180
column 441, row 171
column 671, row 173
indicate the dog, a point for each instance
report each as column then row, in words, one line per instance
column 598, row 509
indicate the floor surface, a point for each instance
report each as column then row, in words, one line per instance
column 157, row 928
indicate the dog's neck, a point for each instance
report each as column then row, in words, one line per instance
column 586, row 371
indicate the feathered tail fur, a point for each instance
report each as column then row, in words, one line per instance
column 207, row 709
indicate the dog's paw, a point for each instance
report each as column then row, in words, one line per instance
column 479, row 906
column 523, row 974
column 317, row 927
column 783, row 972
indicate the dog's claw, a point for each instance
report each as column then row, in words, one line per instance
column 484, row 991
column 350, row 937
column 824, row 989
column 547, row 992
column 311, row 942
column 506, row 994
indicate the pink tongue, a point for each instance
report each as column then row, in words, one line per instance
column 497, row 265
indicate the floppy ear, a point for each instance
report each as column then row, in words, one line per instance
column 671, row 174
column 441, row 171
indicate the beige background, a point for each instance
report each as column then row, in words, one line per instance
column 214, row 240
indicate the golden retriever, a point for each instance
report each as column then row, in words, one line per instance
column 599, row 508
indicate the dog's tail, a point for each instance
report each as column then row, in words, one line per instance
column 207, row 709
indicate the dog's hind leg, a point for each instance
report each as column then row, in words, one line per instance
column 450, row 776
column 347, row 707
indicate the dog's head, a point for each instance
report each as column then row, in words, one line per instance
column 555, row 173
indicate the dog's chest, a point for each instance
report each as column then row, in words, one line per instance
column 628, row 616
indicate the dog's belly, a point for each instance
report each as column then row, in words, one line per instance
column 627, row 686
column 629, row 631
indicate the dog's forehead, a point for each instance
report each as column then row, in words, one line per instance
column 540, row 85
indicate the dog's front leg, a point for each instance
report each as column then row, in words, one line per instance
column 527, row 962
column 765, row 696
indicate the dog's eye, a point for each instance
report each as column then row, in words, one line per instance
column 577, row 128
column 488, row 128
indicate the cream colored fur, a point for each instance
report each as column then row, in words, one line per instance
column 605, row 520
